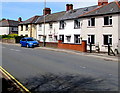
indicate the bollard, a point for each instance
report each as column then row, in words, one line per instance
column 108, row 49
column 90, row 47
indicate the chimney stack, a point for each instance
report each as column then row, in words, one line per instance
column 47, row 11
column 19, row 19
column 102, row 2
column 69, row 7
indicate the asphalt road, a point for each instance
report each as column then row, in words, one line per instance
column 24, row 63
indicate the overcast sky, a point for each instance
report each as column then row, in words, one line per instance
column 12, row 9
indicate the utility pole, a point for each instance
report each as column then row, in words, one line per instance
column 44, row 37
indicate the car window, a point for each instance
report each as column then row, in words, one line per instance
column 23, row 39
column 30, row 39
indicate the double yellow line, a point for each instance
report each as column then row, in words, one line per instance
column 9, row 76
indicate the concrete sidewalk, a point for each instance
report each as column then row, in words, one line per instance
column 104, row 56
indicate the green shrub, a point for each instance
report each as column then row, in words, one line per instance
column 11, row 36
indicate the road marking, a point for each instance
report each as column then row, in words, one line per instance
column 15, row 50
column 11, row 77
column 110, row 74
column 82, row 67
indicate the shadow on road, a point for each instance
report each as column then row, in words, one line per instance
column 67, row 83
column 9, row 87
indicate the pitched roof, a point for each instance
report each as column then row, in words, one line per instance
column 8, row 23
column 110, row 8
column 71, row 14
column 30, row 20
column 51, row 17
column 96, row 10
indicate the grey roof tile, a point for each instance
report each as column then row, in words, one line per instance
column 51, row 17
column 31, row 20
column 8, row 23
column 110, row 8
column 72, row 14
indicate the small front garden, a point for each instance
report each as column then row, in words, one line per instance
column 10, row 36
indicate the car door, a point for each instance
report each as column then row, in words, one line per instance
column 24, row 42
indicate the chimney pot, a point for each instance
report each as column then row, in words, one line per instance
column 19, row 19
column 69, row 7
column 47, row 11
column 102, row 2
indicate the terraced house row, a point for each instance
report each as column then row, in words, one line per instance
column 97, row 24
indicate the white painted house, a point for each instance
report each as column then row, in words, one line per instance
column 97, row 24
column 51, row 26
column 100, row 27
column 8, row 27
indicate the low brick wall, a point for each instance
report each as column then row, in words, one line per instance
column 8, row 41
column 49, row 44
column 79, row 47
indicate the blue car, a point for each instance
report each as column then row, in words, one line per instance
column 29, row 42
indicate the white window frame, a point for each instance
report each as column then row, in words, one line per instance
column 89, row 37
column 110, row 19
column 79, row 39
column 40, row 27
column 77, row 25
column 51, row 25
column 68, row 38
column 90, row 22
column 21, row 27
column 62, row 25
column 26, row 27
column 110, row 36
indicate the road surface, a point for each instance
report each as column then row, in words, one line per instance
column 24, row 63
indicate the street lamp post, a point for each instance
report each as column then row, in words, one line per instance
column 44, row 25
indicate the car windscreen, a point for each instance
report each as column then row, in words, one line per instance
column 30, row 39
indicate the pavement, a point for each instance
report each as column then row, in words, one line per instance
column 104, row 56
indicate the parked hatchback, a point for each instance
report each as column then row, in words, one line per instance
column 29, row 42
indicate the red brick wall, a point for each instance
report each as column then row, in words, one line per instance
column 79, row 47
column 49, row 44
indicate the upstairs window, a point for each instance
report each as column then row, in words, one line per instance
column 76, row 24
column 26, row 27
column 62, row 24
column 91, row 39
column 21, row 27
column 107, row 39
column 91, row 22
column 50, row 25
column 40, row 27
column 108, row 20
column 12, row 29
